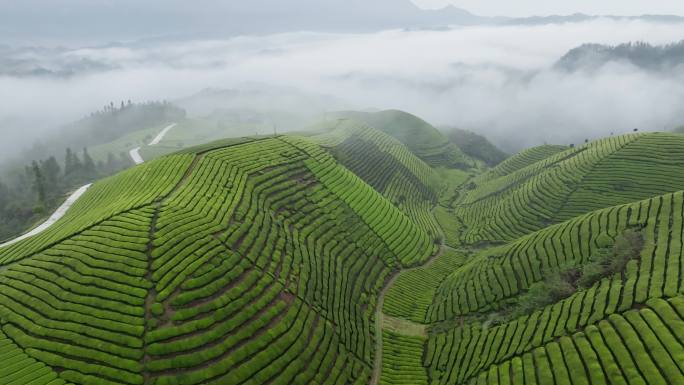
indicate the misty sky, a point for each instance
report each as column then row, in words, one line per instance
column 498, row 80
column 522, row 8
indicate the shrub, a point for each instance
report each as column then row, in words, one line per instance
column 157, row 309
column 606, row 262
column 561, row 284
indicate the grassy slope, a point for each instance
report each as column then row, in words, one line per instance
column 521, row 160
column 254, row 261
column 636, row 313
column 519, row 197
column 405, row 180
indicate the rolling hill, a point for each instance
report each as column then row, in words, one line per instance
column 421, row 138
column 287, row 253
column 520, row 196
column 332, row 256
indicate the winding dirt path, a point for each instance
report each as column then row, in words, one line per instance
column 59, row 213
column 380, row 316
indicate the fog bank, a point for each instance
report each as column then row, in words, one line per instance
column 497, row 80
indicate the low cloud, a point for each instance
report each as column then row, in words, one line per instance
column 498, row 81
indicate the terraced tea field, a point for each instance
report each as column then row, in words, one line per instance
column 421, row 138
column 342, row 256
column 516, row 198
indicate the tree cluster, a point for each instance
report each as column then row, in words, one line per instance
column 610, row 259
column 30, row 194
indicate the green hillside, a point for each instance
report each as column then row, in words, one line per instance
column 521, row 195
column 520, row 160
column 352, row 254
column 421, row 138
column 476, row 146
column 386, row 165
column 625, row 324
column 594, row 299
column 249, row 262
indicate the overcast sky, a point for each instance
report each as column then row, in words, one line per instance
column 562, row 7
column 497, row 80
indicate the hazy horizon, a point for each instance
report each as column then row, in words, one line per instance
column 527, row 8
column 497, row 80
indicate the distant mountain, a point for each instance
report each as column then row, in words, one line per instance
column 581, row 17
column 46, row 62
column 642, row 55
column 98, row 22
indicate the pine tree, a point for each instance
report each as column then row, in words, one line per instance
column 111, row 165
column 101, row 167
column 4, row 196
column 72, row 165
column 51, row 170
column 69, row 165
column 38, row 182
column 88, row 164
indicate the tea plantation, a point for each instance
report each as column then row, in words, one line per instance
column 343, row 256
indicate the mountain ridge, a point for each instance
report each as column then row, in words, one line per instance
column 656, row 58
column 102, row 20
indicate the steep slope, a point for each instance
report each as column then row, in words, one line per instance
column 520, row 160
column 512, row 200
column 387, row 165
column 246, row 261
column 424, row 140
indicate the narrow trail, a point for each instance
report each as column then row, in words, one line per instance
column 161, row 135
column 380, row 316
column 135, row 152
column 418, row 329
column 135, row 155
column 59, row 213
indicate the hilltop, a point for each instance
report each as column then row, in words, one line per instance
column 423, row 139
column 157, row 21
column 367, row 250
